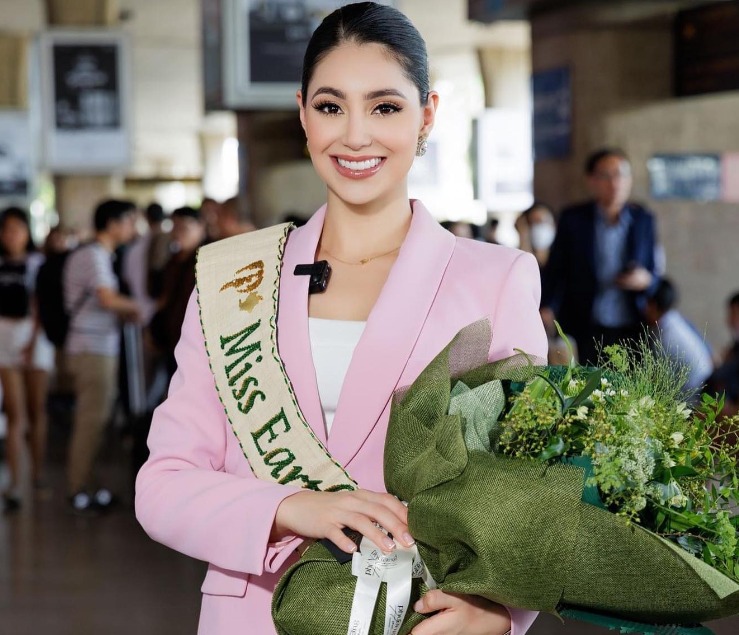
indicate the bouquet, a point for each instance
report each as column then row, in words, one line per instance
column 593, row 493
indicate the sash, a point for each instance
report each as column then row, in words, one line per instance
column 237, row 281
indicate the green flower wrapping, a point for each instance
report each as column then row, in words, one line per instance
column 516, row 531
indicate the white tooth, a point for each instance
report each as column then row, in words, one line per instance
column 359, row 165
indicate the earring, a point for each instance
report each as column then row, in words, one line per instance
column 422, row 146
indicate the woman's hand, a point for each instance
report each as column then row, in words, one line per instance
column 460, row 615
column 324, row 515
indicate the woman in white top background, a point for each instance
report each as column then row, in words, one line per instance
column 26, row 356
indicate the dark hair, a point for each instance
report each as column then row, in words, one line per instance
column 186, row 212
column 22, row 216
column 591, row 163
column 537, row 204
column 665, row 295
column 370, row 23
column 154, row 213
column 111, row 210
column 734, row 299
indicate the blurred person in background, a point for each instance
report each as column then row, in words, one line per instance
column 491, row 231
column 601, row 266
column 461, row 229
column 26, row 356
column 144, row 262
column 725, row 379
column 95, row 306
column 678, row 338
column 536, row 230
column 229, row 222
column 209, row 210
column 188, row 233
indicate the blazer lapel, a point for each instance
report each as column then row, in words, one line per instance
column 392, row 330
column 293, row 335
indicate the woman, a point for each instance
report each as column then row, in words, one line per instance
column 400, row 289
column 26, row 356
column 536, row 229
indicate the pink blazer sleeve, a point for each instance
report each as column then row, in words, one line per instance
column 517, row 315
column 516, row 319
column 184, row 498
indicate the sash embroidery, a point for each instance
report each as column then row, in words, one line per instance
column 238, row 315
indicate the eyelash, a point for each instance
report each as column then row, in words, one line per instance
column 332, row 109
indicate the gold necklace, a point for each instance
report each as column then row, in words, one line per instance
column 363, row 261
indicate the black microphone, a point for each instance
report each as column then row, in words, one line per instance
column 319, row 272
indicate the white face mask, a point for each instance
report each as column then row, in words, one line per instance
column 542, row 235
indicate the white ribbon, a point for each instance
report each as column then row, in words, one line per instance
column 397, row 569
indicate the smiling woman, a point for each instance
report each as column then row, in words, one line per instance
column 287, row 446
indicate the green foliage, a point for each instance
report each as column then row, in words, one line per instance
column 656, row 461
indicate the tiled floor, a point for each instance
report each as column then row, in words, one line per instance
column 64, row 575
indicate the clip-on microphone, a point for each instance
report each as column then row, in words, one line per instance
column 319, row 272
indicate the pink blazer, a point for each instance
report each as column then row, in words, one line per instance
column 197, row 494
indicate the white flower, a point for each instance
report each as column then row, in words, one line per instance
column 624, row 393
column 610, row 392
column 597, row 394
column 679, row 500
column 646, row 403
column 581, row 413
column 677, row 438
column 668, row 461
column 683, row 410
column 604, row 382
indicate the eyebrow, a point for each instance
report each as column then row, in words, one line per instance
column 375, row 94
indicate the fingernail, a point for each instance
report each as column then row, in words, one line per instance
column 408, row 539
column 418, row 606
column 352, row 548
column 389, row 543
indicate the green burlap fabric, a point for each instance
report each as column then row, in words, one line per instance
column 515, row 531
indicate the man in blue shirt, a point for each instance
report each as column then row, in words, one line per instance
column 602, row 262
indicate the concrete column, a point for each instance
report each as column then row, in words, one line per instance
column 613, row 67
column 267, row 139
column 13, row 71
column 77, row 197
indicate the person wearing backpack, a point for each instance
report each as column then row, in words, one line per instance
column 95, row 307
column 26, row 356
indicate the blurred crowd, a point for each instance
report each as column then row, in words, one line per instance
column 95, row 319
column 99, row 318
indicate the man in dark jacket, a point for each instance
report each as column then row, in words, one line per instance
column 602, row 264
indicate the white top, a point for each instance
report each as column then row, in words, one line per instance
column 332, row 344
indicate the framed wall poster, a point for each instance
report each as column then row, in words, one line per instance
column 263, row 47
column 695, row 177
column 552, row 117
column 86, row 92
